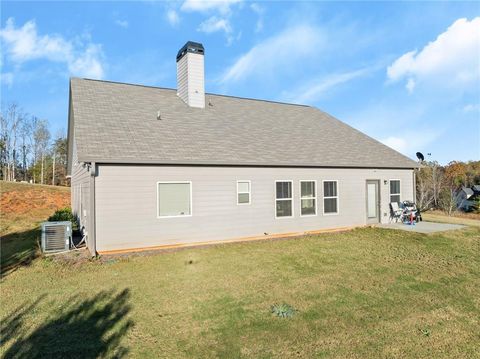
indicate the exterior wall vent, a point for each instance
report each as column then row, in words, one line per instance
column 56, row 236
column 191, row 74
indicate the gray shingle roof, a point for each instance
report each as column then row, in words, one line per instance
column 117, row 123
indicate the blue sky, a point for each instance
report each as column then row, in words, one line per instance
column 407, row 74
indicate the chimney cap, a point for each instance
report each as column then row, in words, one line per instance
column 190, row 46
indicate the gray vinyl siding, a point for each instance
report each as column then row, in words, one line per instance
column 126, row 203
column 80, row 195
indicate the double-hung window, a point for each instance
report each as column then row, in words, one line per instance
column 283, row 199
column 243, row 192
column 394, row 191
column 330, row 197
column 174, row 199
column 308, row 198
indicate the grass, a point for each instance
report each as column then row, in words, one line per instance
column 438, row 216
column 369, row 292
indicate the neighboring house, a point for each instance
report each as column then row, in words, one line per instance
column 466, row 197
column 154, row 167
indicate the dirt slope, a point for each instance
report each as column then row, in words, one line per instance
column 21, row 203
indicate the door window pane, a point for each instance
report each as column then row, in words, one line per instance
column 372, row 200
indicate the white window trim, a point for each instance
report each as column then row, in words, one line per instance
column 191, row 200
column 249, row 193
column 302, row 198
column 337, row 197
column 283, row 199
column 390, row 189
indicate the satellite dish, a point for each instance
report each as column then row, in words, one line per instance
column 420, row 156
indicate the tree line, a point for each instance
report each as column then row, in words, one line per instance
column 437, row 185
column 28, row 151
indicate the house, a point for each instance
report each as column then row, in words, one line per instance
column 154, row 167
column 466, row 197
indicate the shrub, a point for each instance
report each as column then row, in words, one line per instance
column 476, row 205
column 283, row 310
column 64, row 214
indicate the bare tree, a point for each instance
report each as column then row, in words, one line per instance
column 11, row 122
column 59, row 154
column 41, row 137
column 424, row 188
column 25, row 146
column 3, row 144
column 32, row 127
column 436, row 182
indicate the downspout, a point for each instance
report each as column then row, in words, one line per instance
column 91, row 231
column 414, row 186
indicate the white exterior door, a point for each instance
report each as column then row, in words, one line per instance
column 373, row 201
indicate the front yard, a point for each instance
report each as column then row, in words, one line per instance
column 370, row 293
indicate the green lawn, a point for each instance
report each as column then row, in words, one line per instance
column 437, row 216
column 366, row 293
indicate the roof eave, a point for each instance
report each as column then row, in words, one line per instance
column 229, row 164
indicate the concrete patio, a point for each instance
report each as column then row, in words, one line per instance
column 423, row 227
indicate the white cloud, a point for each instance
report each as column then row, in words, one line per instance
column 122, row 23
column 410, row 86
column 24, row 44
column 222, row 6
column 259, row 10
column 214, row 24
column 315, row 89
column 220, row 21
column 7, row 79
column 397, row 143
column 282, row 50
column 88, row 63
column 451, row 60
column 172, row 17
column 471, row 108
column 409, row 142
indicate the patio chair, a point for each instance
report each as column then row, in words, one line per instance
column 396, row 213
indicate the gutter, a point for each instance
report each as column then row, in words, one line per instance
column 91, row 230
column 140, row 162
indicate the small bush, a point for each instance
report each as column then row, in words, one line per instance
column 425, row 331
column 64, row 214
column 283, row 310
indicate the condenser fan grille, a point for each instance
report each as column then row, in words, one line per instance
column 56, row 236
